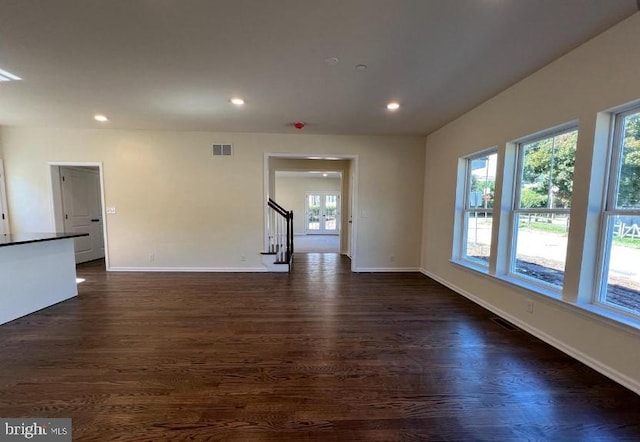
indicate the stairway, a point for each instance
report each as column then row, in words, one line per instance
column 278, row 254
column 273, row 263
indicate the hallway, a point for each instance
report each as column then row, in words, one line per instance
column 317, row 243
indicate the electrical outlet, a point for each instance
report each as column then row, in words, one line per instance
column 243, row 258
column 392, row 258
column 530, row 307
column 152, row 257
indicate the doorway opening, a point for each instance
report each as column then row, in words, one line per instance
column 77, row 197
column 321, row 193
column 4, row 214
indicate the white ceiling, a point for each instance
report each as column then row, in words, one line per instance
column 174, row 64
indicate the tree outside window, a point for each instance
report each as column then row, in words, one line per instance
column 542, row 207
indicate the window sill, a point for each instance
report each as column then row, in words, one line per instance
column 611, row 315
column 472, row 265
column 592, row 311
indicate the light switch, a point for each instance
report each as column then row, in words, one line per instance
column 111, row 210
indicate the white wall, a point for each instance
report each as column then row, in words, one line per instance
column 601, row 74
column 292, row 194
column 192, row 210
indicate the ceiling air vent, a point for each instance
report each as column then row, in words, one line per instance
column 222, row 150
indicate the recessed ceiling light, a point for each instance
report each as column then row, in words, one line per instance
column 393, row 106
column 325, row 174
column 100, row 118
column 332, row 61
column 361, row 67
column 237, row 101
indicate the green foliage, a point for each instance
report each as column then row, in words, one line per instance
column 532, row 199
column 544, row 227
column 634, row 243
column 548, row 170
column 633, row 126
column 629, row 188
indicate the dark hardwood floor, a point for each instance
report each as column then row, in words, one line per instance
column 321, row 354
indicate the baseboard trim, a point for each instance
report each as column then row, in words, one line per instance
column 189, row 269
column 386, row 270
column 604, row 369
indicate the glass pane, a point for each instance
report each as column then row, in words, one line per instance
column 629, row 173
column 478, row 242
column 547, row 172
column 482, row 184
column 541, row 246
column 313, row 212
column 330, row 212
column 623, row 274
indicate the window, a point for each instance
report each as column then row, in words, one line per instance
column 620, row 287
column 542, row 204
column 480, row 181
column 530, row 247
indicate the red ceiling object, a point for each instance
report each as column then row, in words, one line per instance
column 298, row 125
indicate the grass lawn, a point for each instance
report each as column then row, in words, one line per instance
column 561, row 230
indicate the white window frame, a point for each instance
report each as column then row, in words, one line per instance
column 517, row 211
column 460, row 251
column 610, row 212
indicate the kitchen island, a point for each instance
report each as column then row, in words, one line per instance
column 37, row 270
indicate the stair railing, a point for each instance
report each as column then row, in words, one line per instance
column 280, row 232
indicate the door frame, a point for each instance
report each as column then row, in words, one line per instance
column 322, row 194
column 353, row 194
column 3, row 200
column 55, row 198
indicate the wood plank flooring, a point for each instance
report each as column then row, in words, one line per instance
column 318, row 355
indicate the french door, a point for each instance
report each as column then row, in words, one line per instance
column 322, row 213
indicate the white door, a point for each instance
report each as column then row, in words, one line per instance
column 82, row 211
column 4, row 216
column 323, row 213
